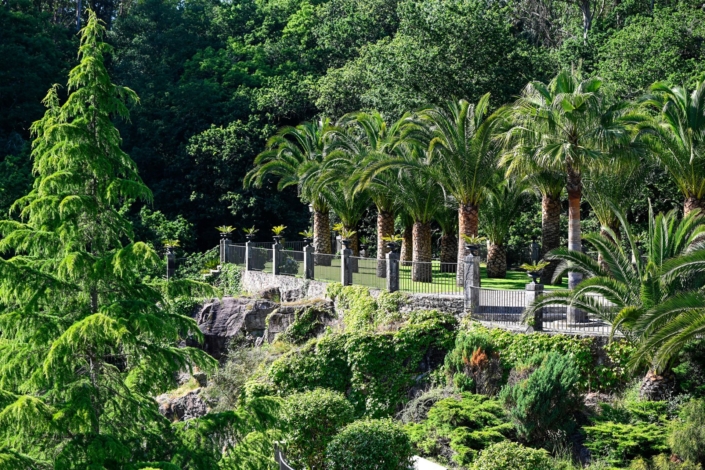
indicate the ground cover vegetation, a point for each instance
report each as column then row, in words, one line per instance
column 426, row 122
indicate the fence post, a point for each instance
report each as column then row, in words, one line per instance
column 224, row 242
column 248, row 255
column 345, row 265
column 170, row 262
column 308, row 262
column 534, row 291
column 392, row 267
column 471, row 282
column 276, row 255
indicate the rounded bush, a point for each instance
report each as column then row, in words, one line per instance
column 508, row 455
column 312, row 419
column 377, row 444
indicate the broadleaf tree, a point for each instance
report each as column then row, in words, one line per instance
column 85, row 340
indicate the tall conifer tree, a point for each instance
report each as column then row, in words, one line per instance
column 84, row 341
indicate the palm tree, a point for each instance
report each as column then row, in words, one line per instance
column 464, row 157
column 374, row 141
column 654, row 300
column 447, row 219
column 567, row 126
column 294, row 154
column 407, row 238
column 677, row 136
column 422, row 198
column 499, row 209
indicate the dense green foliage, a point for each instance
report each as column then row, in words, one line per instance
column 374, row 369
column 507, row 454
column 687, row 437
column 312, row 419
column 467, row 424
column 379, row 444
column 546, row 401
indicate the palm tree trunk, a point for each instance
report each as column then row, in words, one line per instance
column 355, row 247
column 449, row 250
column 467, row 225
column 406, row 246
column 497, row 261
column 691, row 203
column 550, row 232
column 575, row 189
column 421, row 268
column 385, row 228
column 321, row 237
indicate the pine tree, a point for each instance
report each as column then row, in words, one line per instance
column 85, row 341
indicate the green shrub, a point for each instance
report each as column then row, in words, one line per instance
column 662, row 462
column 687, row 436
column 378, row 444
column 311, row 420
column 514, row 348
column 377, row 370
column 363, row 312
column 546, row 401
column 461, row 426
column 624, row 431
column 306, row 325
column 508, row 455
column 473, row 365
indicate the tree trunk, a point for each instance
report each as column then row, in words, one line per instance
column 575, row 188
column 657, row 387
column 467, row 225
column 385, row 228
column 449, row 250
column 421, row 269
column 497, row 261
column 355, row 247
column 321, row 237
column 550, row 233
column 691, row 203
column 406, row 246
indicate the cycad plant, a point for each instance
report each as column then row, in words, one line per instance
column 567, row 126
column 677, row 137
column 655, row 299
column 295, row 155
column 85, row 341
column 499, row 209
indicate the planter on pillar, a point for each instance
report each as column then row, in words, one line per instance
column 533, row 292
column 471, row 279
column 276, row 255
column 345, row 264
column 392, row 267
column 308, row 260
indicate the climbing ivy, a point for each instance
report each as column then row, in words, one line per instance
column 361, row 311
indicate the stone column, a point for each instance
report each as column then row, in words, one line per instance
column 224, row 242
column 248, row 256
column 392, row 274
column 346, row 266
column 471, row 283
column 170, row 263
column 533, row 292
column 308, row 262
column 276, row 256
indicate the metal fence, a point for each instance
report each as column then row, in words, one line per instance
column 292, row 263
column 236, row 254
column 297, row 245
column 326, row 267
column 504, row 308
column 365, row 272
column 429, row 278
column 261, row 260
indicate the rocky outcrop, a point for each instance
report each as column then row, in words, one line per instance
column 256, row 320
column 182, row 408
column 224, row 319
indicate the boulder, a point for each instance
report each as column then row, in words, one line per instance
column 182, row 408
column 223, row 319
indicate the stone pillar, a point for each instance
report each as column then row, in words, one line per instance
column 346, row 266
column 471, row 283
column 170, row 263
column 392, row 273
column 224, row 242
column 248, row 256
column 308, row 262
column 276, row 256
column 533, row 292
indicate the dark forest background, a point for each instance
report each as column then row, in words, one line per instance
column 217, row 78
